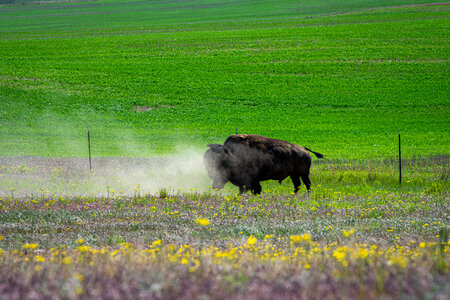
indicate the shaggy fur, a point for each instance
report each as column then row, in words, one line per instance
column 246, row 159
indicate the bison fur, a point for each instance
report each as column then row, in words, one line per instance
column 247, row 159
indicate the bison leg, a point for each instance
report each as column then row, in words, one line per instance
column 296, row 182
column 307, row 182
column 242, row 189
column 256, row 188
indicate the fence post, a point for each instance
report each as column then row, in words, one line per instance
column 89, row 146
column 399, row 157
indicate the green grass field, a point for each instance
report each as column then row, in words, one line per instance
column 156, row 81
column 341, row 84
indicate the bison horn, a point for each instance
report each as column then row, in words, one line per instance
column 218, row 148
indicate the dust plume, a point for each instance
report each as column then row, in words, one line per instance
column 180, row 172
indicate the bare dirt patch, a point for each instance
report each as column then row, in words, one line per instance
column 143, row 108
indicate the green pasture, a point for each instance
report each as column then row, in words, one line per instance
column 119, row 14
column 151, row 78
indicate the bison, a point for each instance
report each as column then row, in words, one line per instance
column 247, row 159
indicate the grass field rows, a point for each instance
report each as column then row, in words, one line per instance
column 334, row 83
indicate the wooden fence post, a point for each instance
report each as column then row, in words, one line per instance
column 399, row 157
column 89, row 146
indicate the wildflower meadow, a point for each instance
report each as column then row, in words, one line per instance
column 331, row 243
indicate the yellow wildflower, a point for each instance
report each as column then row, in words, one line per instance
column 66, row 260
column 268, row 236
column 252, row 240
column 156, row 243
column 299, row 238
column 79, row 290
column 78, row 276
column 83, row 248
column 39, row 258
column 203, row 222
column 340, row 253
column 348, row 233
column 363, row 253
column 306, row 237
column 30, row 246
column 295, row 238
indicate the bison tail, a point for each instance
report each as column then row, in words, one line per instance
column 316, row 153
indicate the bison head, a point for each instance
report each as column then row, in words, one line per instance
column 216, row 161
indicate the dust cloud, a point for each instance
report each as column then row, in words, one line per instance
column 110, row 176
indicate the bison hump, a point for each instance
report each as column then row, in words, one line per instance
column 238, row 142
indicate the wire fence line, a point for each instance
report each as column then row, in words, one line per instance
column 146, row 145
column 420, row 165
column 437, row 164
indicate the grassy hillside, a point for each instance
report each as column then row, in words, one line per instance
column 147, row 77
column 119, row 14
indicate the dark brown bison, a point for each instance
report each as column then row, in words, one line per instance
column 247, row 159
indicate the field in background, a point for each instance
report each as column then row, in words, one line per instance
column 141, row 14
column 342, row 84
